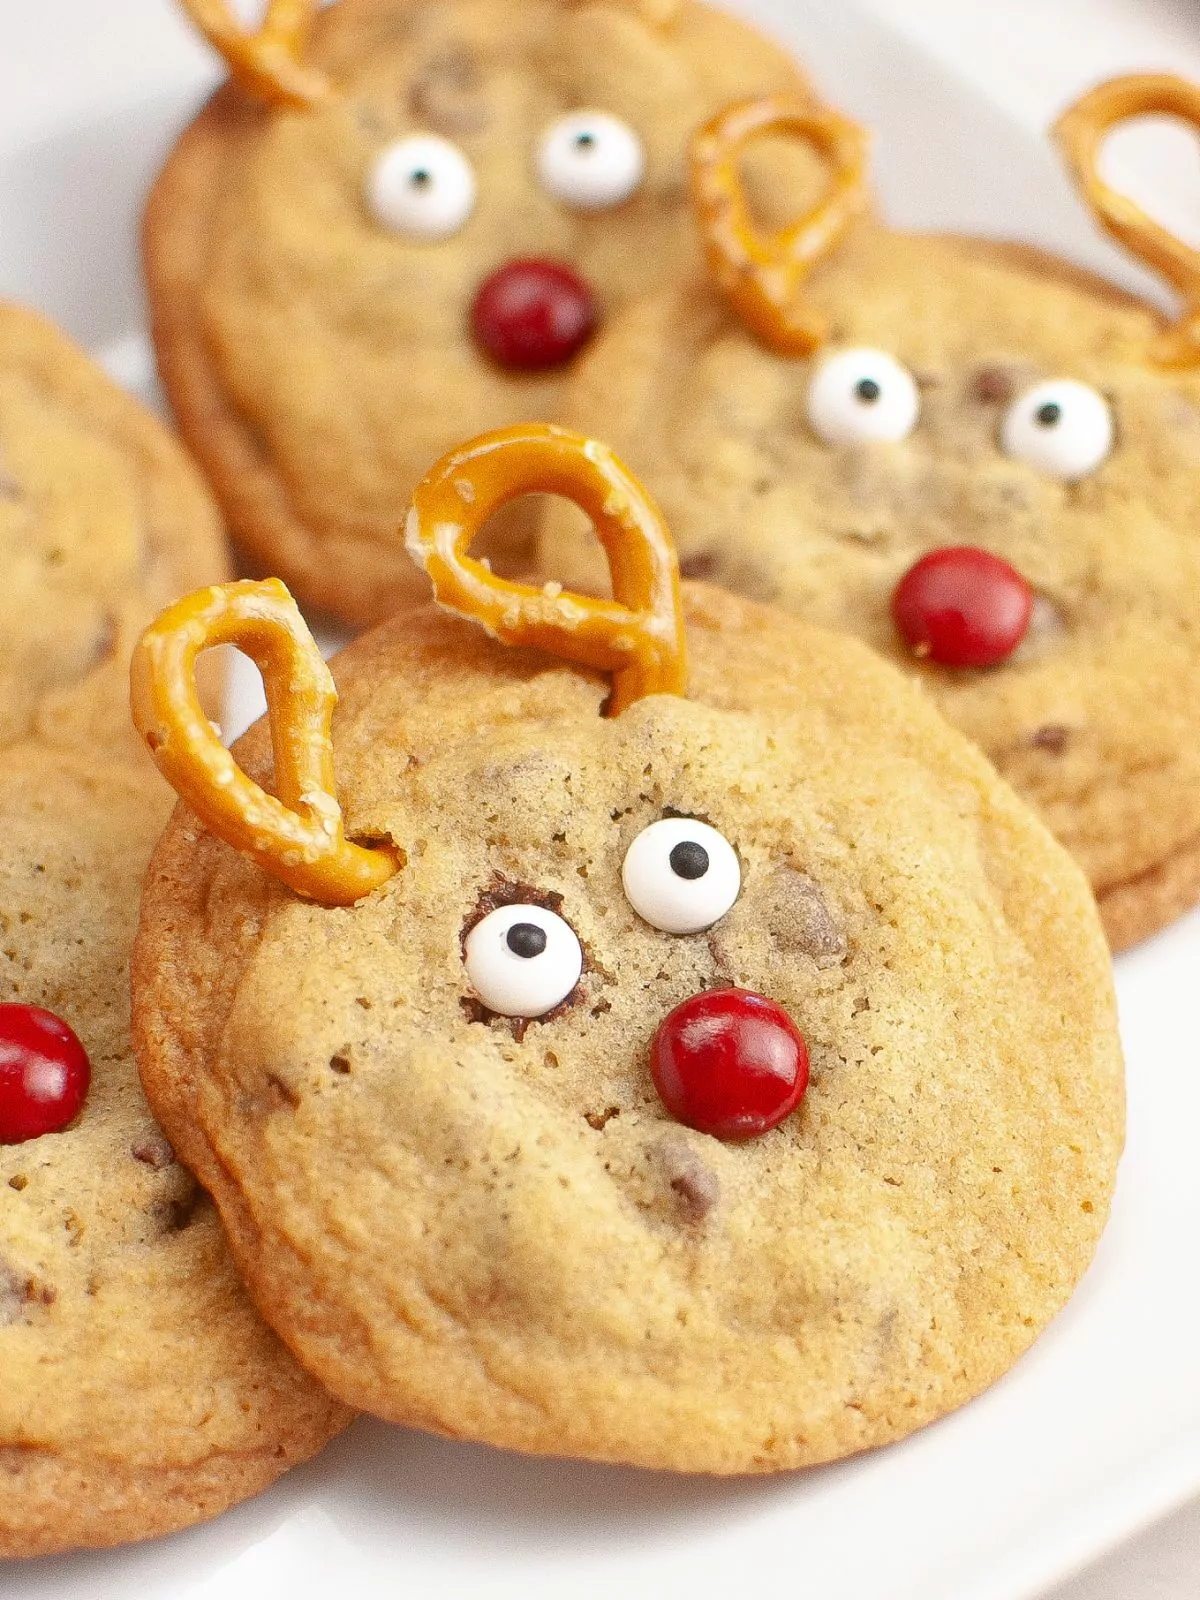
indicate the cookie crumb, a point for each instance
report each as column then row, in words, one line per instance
column 600, row 1119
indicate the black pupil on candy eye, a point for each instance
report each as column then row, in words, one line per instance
column 867, row 390
column 689, row 859
column 421, row 178
column 585, row 142
column 1046, row 416
column 526, row 939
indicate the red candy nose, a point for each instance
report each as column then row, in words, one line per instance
column 729, row 1063
column 44, row 1073
column 962, row 607
column 534, row 315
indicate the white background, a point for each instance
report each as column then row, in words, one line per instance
column 62, row 58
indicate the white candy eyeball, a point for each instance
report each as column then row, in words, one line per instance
column 591, row 161
column 522, row 960
column 680, row 875
column 1062, row 428
column 862, row 396
column 422, row 187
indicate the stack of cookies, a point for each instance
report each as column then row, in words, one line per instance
column 653, row 1020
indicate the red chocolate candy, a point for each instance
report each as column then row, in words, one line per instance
column 962, row 607
column 533, row 315
column 44, row 1073
column 729, row 1063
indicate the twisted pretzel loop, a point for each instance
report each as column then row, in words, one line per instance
column 299, row 836
column 762, row 274
column 267, row 61
column 637, row 636
column 1080, row 132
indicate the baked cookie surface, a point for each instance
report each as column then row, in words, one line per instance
column 141, row 1390
column 102, row 521
column 493, row 1228
column 775, row 486
column 317, row 357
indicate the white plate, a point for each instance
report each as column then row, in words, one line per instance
column 1096, row 1432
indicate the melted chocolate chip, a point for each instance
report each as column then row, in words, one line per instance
column 153, row 1152
column 702, row 566
column 994, row 385
column 20, row 1294
column 12, row 1297
column 694, row 1184
column 798, row 918
column 1052, row 737
column 181, row 1213
column 447, row 94
column 502, row 891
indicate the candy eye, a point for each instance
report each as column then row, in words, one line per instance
column 522, row 960
column 422, row 187
column 1061, row 428
column 862, row 396
column 591, row 161
column 680, row 875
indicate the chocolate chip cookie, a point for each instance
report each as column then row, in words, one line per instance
column 141, row 1390
column 984, row 465
column 400, row 229
column 103, row 520
column 726, row 1085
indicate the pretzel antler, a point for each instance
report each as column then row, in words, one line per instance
column 637, row 636
column 298, row 837
column 761, row 274
column 1080, row 131
column 268, row 62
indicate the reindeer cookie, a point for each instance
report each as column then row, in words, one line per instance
column 103, row 521
column 141, row 1390
column 976, row 457
column 398, row 227
column 712, row 1069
